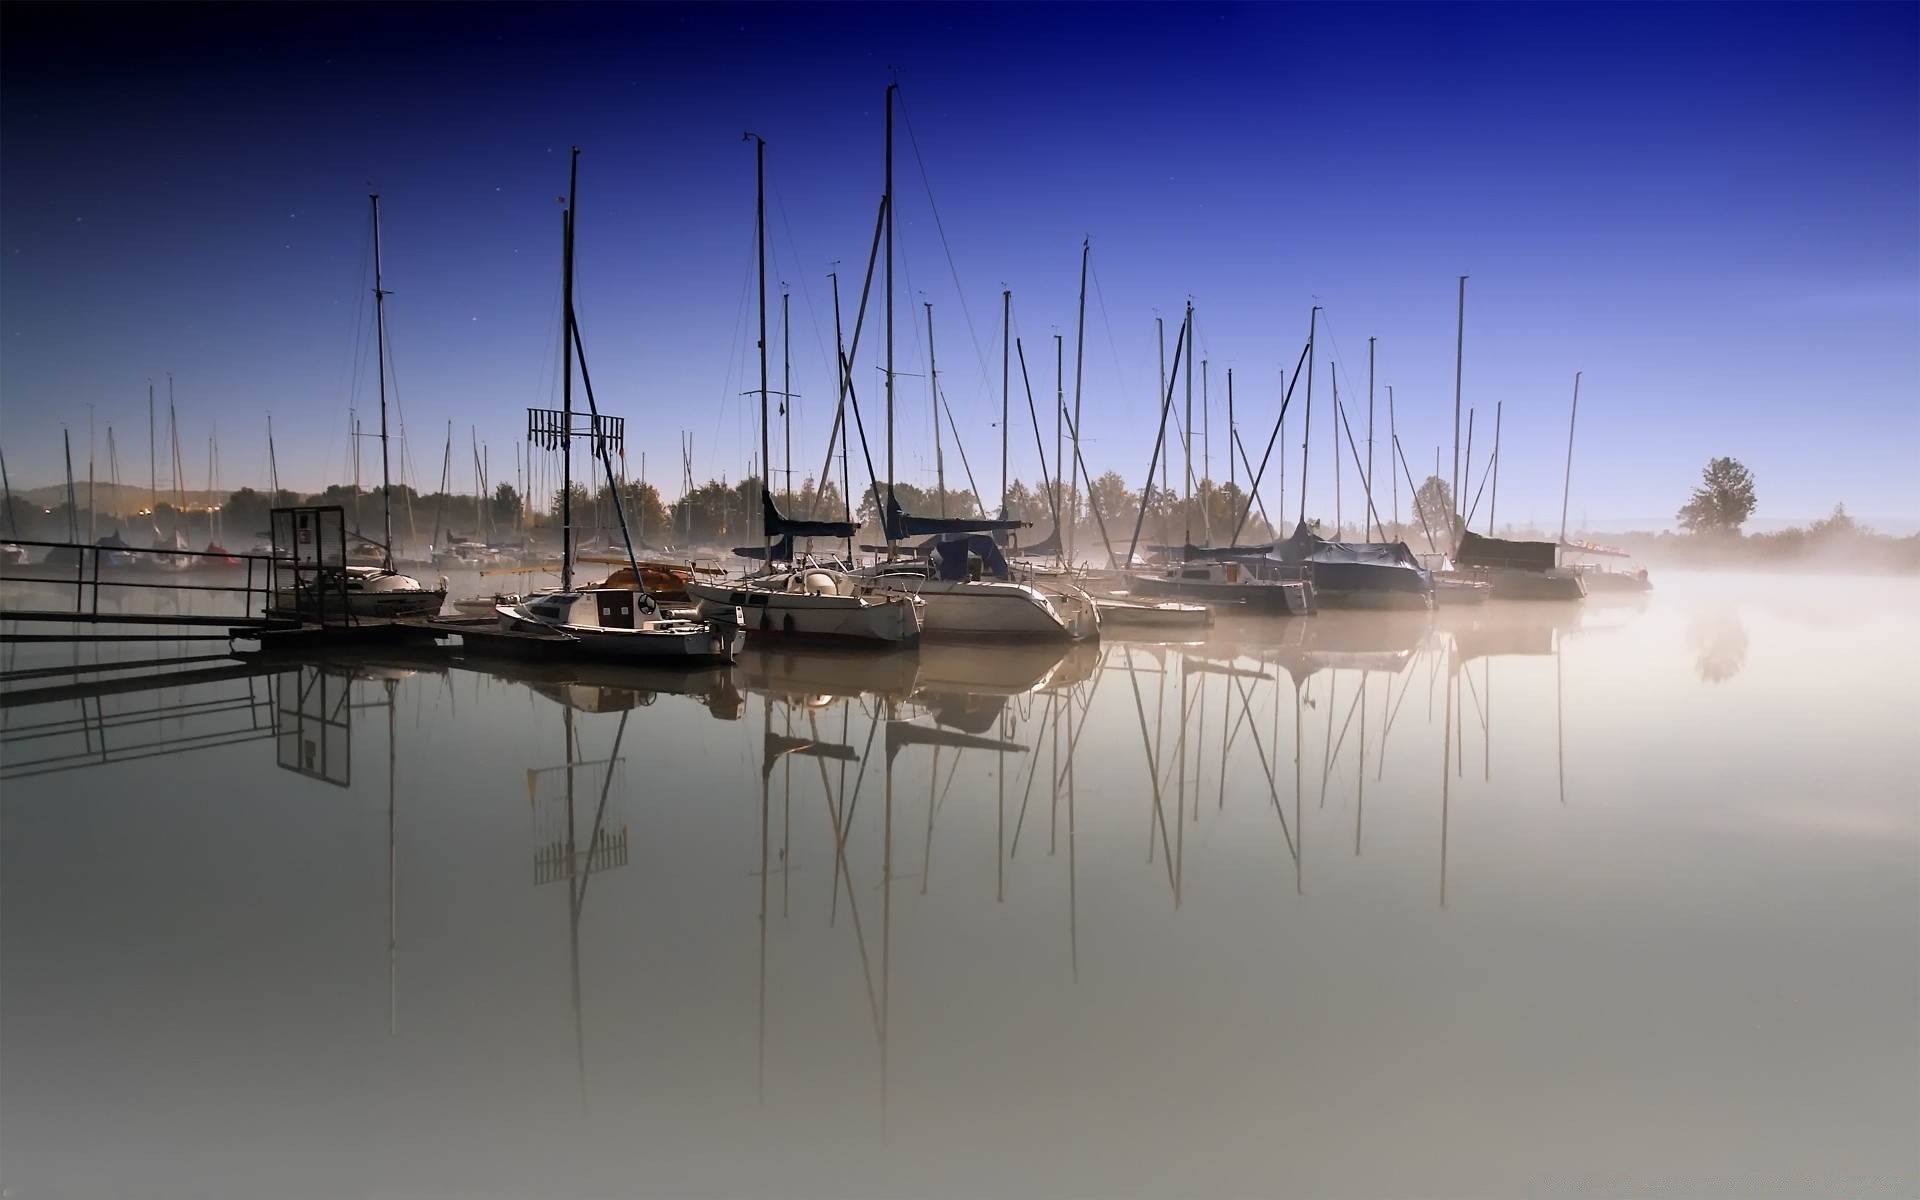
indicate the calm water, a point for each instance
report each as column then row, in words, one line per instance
column 1619, row 897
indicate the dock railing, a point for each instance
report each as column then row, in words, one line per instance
column 86, row 572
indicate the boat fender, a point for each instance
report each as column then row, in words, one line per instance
column 441, row 583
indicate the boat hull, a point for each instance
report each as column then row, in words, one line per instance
column 767, row 615
column 1280, row 598
column 983, row 610
column 1514, row 584
column 702, row 646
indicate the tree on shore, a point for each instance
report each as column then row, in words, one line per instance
column 1723, row 501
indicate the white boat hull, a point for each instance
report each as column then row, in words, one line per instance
column 770, row 614
column 983, row 609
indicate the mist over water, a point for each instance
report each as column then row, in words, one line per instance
column 1617, row 897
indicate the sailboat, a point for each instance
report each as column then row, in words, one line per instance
column 807, row 601
column 380, row 591
column 965, row 581
column 605, row 622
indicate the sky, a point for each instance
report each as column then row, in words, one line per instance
column 1710, row 213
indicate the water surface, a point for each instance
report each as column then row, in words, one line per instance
column 1612, row 897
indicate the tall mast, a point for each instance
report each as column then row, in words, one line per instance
column 1006, row 335
column 153, row 466
column 1059, row 431
column 887, row 204
column 933, row 390
column 380, row 355
column 1376, row 515
column 840, row 417
column 1079, row 365
column 1206, row 455
column 273, row 466
column 1306, row 436
column 1232, row 442
column 760, row 251
column 173, row 436
column 566, row 378
column 1566, row 488
column 1393, row 442
column 1459, row 360
column 93, row 524
column 786, row 385
column 1339, row 521
column 73, row 503
column 1494, row 499
column 1186, row 533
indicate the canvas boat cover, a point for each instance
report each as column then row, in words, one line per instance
column 1477, row 551
column 779, row 526
column 1355, row 566
column 901, row 525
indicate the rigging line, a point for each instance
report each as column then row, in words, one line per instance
column 1113, row 344
column 979, row 350
column 799, row 272
column 1053, row 493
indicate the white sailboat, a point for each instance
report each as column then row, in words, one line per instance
column 807, row 602
column 378, row 591
column 605, row 622
column 968, row 587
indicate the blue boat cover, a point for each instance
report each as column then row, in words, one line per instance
column 778, row 525
column 951, row 556
column 901, row 525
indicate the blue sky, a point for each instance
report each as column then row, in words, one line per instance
column 1712, row 211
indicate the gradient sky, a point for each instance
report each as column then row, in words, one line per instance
column 1712, row 211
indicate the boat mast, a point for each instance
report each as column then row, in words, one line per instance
column 566, row 378
column 153, row 465
column 886, row 203
column 933, row 393
column 786, row 386
column 380, row 365
column 1006, row 335
column 1566, row 488
column 1059, row 435
column 1393, row 441
column 1376, row 516
column 1494, row 499
column 1186, row 441
column 273, row 467
column 1459, row 360
column 1079, row 367
column 760, row 250
column 1306, row 436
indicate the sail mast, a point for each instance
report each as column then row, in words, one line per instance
column 1459, row 360
column 1006, row 335
column 933, row 393
column 760, row 252
column 1306, row 437
column 1566, row 488
column 380, row 366
column 1494, row 500
column 1079, row 364
column 566, row 379
column 887, row 204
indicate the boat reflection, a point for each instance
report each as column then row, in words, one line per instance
column 596, row 687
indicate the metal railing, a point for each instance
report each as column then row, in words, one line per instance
column 88, row 570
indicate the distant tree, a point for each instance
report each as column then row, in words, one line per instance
column 1838, row 526
column 1723, row 501
column 1432, row 501
column 506, row 506
column 1115, row 502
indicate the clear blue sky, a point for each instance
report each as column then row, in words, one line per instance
column 1713, row 211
